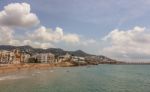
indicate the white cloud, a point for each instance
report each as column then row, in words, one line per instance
column 133, row 44
column 18, row 15
column 36, row 44
column 42, row 45
column 88, row 42
column 15, row 15
column 71, row 38
column 48, row 35
column 40, row 38
column 45, row 45
column 44, row 34
column 6, row 35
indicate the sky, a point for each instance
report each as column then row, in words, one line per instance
column 116, row 28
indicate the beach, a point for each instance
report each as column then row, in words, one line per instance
column 7, row 68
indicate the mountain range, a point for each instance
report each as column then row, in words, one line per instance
column 56, row 51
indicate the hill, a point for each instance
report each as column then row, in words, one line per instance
column 56, row 51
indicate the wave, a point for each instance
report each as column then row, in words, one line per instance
column 12, row 77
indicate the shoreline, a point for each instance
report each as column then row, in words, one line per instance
column 8, row 68
column 23, row 67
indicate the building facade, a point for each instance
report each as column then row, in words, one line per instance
column 13, row 57
column 45, row 57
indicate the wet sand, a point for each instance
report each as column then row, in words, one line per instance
column 7, row 68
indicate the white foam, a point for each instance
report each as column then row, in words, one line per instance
column 51, row 71
column 12, row 77
column 38, row 72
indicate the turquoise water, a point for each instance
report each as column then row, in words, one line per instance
column 101, row 78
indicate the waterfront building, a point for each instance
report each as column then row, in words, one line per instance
column 78, row 59
column 63, row 58
column 4, row 57
column 17, row 55
column 25, row 57
column 13, row 57
column 45, row 57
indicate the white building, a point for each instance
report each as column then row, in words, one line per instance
column 78, row 59
column 66, row 57
column 13, row 57
column 4, row 57
column 45, row 57
column 25, row 57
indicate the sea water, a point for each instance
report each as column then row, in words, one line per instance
column 101, row 78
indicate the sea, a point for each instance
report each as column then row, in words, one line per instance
column 100, row 78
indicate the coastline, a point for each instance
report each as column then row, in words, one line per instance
column 8, row 68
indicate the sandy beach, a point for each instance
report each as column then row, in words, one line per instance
column 7, row 68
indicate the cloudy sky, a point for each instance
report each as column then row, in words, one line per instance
column 119, row 29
